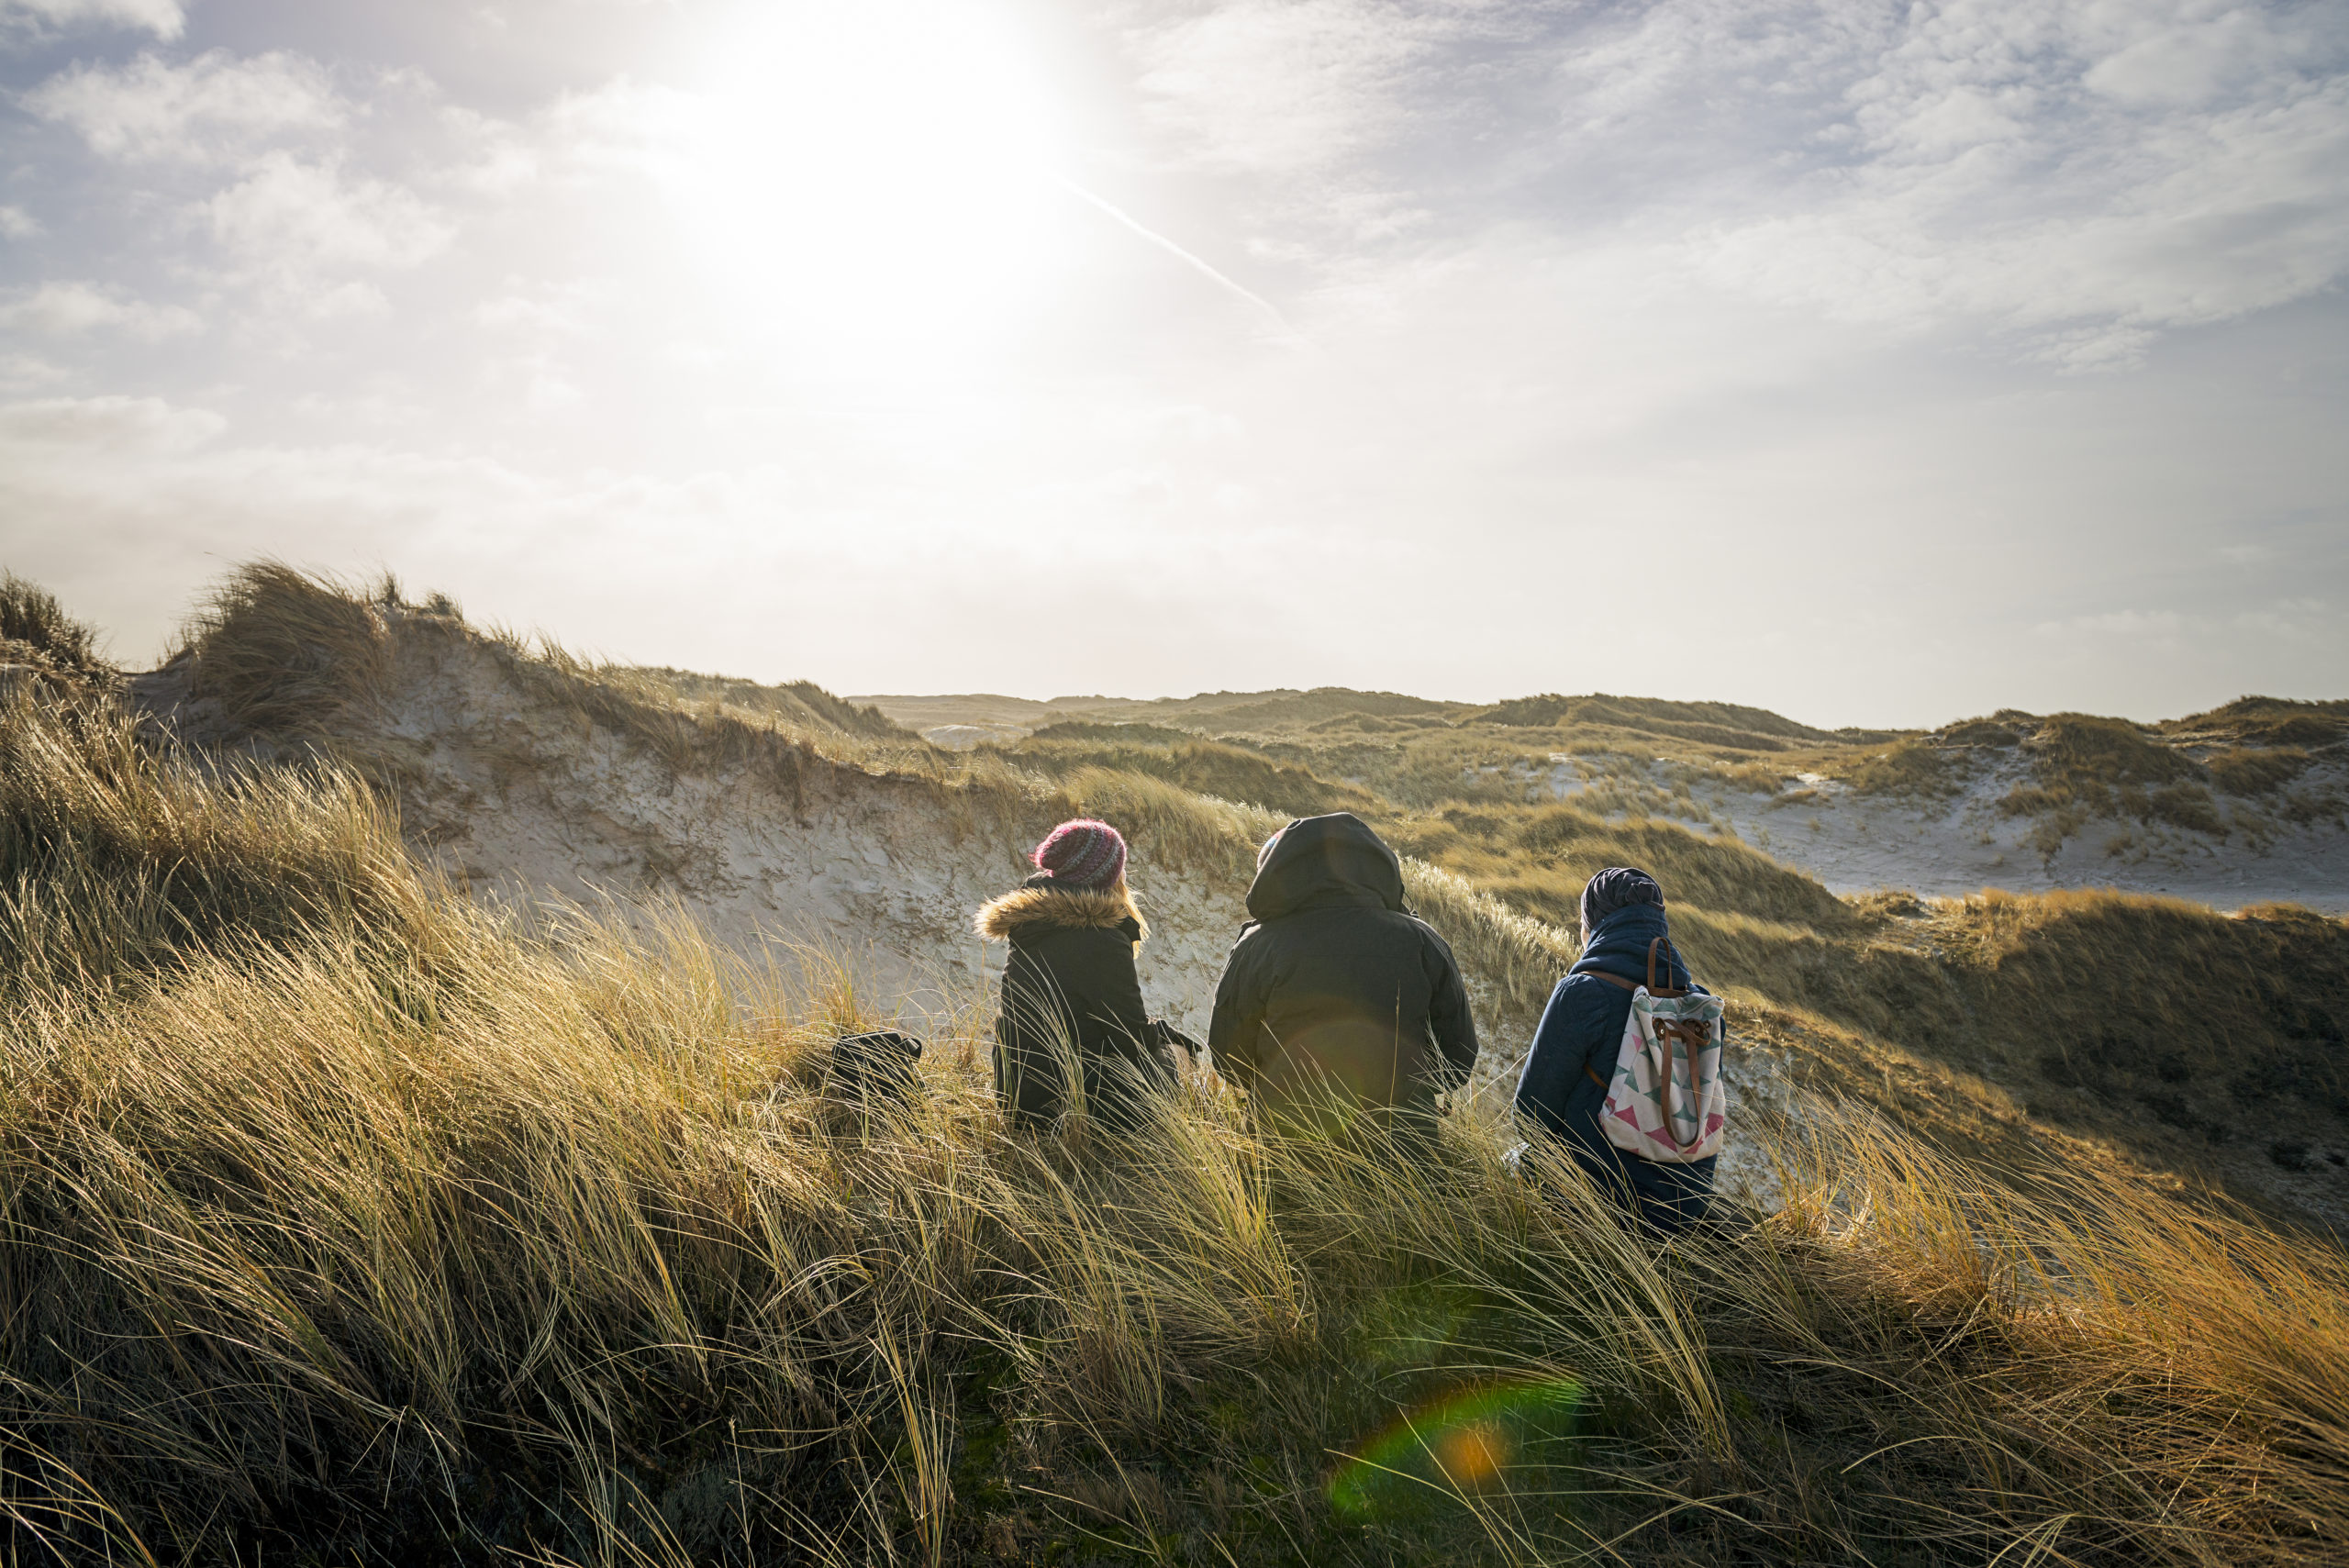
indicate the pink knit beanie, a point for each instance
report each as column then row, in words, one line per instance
column 1083, row 853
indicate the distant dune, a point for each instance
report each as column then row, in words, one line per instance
column 2246, row 804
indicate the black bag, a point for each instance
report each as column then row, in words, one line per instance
column 879, row 1065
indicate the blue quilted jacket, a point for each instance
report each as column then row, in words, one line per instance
column 1581, row 1030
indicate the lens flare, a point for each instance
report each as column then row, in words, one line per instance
column 1474, row 1455
column 1467, row 1441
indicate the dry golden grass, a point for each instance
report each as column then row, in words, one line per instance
column 2085, row 752
column 1204, row 767
column 347, row 1223
column 2243, row 770
column 800, row 701
column 115, row 863
column 284, row 652
column 1911, row 767
column 2267, row 721
column 35, row 629
column 341, row 1235
column 2116, row 1020
column 1428, row 758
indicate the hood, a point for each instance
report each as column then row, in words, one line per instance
column 1039, row 901
column 1619, row 945
column 1320, row 863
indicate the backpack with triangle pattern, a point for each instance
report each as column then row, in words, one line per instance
column 1666, row 1101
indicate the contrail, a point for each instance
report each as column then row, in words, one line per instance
column 1259, row 301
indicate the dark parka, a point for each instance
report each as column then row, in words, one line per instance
column 1571, row 1060
column 1069, row 985
column 1335, row 993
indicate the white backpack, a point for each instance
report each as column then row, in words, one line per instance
column 1667, row 1102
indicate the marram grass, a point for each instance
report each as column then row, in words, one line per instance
column 356, row 1225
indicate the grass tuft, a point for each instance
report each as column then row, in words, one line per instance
column 35, row 629
column 284, row 651
column 2240, row 770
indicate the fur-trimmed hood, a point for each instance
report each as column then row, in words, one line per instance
column 1039, row 902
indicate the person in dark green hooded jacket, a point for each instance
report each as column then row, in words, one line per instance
column 1337, row 1001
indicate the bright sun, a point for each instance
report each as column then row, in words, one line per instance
column 872, row 184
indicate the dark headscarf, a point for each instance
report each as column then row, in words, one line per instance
column 1617, row 887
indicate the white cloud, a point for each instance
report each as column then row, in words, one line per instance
column 164, row 19
column 2078, row 179
column 291, row 219
column 20, row 372
column 566, row 310
column 552, row 393
column 106, row 426
column 2188, row 60
column 2002, row 190
column 216, row 107
column 60, row 309
column 16, row 223
column 616, row 122
column 1286, row 87
column 299, row 210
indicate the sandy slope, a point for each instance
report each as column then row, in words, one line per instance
column 526, row 803
column 1962, row 845
column 530, row 806
column 1857, row 842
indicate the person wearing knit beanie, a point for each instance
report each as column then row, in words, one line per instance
column 1563, row 1088
column 1071, row 996
column 1083, row 853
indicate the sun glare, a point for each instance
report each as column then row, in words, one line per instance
column 871, row 185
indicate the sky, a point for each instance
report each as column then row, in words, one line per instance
column 1877, row 363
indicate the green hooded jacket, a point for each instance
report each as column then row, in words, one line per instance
column 1336, row 997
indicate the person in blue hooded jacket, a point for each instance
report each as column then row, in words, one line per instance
column 1564, row 1083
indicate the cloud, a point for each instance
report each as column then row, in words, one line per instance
column 2122, row 169
column 2227, row 213
column 215, row 108
column 623, row 126
column 60, row 309
column 627, row 125
column 16, row 223
column 264, row 153
column 2077, row 179
column 107, row 427
column 1288, row 88
column 21, row 372
column 164, row 19
column 567, row 310
column 293, row 220
column 2182, row 59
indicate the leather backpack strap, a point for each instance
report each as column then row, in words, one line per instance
column 1667, row 993
column 1671, row 955
column 1611, row 980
